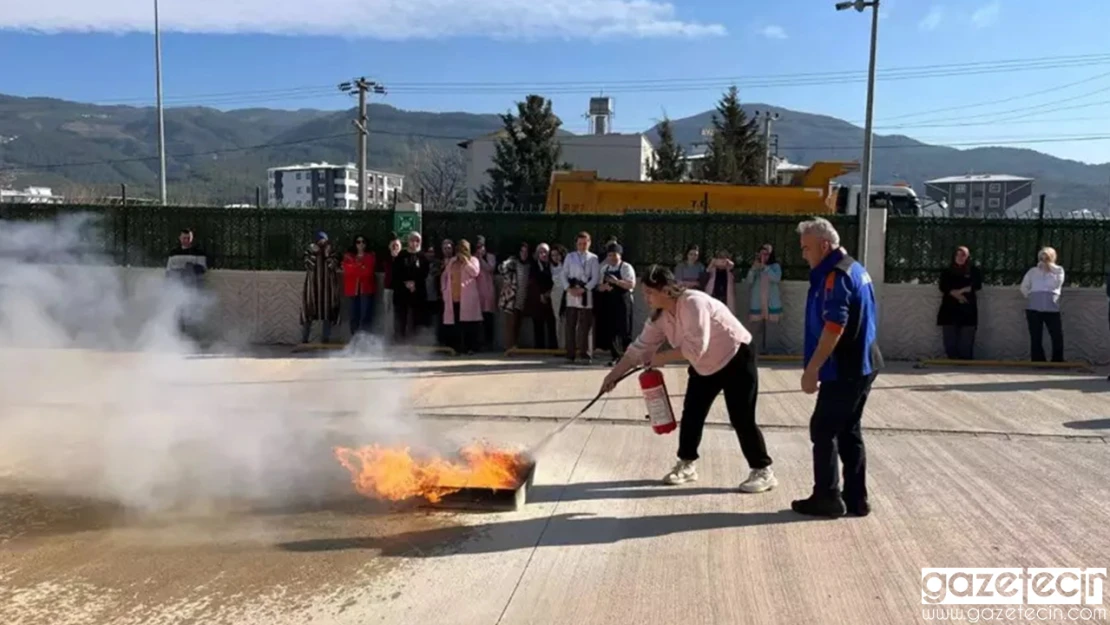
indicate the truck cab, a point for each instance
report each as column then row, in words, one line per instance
column 899, row 199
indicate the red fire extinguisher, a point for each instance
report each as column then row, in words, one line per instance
column 658, row 402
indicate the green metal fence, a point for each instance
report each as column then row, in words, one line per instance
column 918, row 249
column 275, row 238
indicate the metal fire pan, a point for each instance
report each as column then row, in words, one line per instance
column 489, row 499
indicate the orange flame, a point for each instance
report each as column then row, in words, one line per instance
column 394, row 474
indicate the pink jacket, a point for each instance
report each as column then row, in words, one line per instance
column 706, row 332
column 470, row 308
column 486, row 292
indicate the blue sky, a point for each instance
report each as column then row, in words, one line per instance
column 459, row 54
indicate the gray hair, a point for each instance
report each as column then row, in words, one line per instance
column 821, row 228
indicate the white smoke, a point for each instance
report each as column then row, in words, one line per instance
column 102, row 396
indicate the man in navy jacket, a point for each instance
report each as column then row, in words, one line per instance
column 841, row 362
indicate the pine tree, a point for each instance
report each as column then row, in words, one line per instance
column 669, row 163
column 524, row 157
column 735, row 153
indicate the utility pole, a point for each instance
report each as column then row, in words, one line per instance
column 161, row 119
column 865, row 169
column 768, row 157
column 362, row 125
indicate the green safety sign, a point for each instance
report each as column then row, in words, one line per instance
column 405, row 222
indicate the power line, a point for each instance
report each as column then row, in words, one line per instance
column 716, row 85
column 1005, row 100
column 1033, row 108
column 1008, row 122
column 668, row 84
column 1093, row 59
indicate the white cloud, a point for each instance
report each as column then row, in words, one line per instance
column 933, row 19
column 773, row 32
column 986, row 15
column 378, row 19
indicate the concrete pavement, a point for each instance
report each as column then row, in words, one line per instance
column 966, row 469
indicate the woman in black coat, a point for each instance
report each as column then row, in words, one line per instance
column 410, row 273
column 958, row 316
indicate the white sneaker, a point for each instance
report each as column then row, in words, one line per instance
column 759, row 481
column 684, row 471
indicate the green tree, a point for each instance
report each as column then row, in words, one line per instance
column 524, row 157
column 669, row 163
column 735, row 154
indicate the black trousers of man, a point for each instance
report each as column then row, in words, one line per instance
column 835, row 430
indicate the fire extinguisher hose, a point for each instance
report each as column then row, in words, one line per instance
column 562, row 426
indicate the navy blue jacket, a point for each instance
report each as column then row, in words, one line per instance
column 841, row 295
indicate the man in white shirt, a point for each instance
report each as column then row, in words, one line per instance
column 580, row 276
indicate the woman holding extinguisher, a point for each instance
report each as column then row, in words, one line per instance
column 705, row 333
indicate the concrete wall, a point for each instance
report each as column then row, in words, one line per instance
column 264, row 307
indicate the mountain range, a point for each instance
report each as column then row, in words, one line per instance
column 218, row 157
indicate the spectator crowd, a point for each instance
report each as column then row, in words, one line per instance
column 575, row 301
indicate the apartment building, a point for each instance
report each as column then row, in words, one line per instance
column 983, row 195
column 324, row 185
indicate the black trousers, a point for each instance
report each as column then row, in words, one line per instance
column 464, row 336
column 543, row 329
column 835, row 430
column 1038, row 321
column 959, row 342
column 739, row 380
column 402, row 319
column 489, row 323
column 579, row 322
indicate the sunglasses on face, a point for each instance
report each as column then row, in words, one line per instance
column 360, row 242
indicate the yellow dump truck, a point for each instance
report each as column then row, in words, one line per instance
column 809, row 192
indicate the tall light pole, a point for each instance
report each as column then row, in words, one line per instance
column 161, row 119
column 864, row 205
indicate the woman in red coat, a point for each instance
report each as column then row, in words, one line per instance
column 359, row 285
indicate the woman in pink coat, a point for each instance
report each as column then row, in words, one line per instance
column 462, row 307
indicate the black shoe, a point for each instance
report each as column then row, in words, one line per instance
column 832, row 507
column 858, row 508
column 855, row 505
